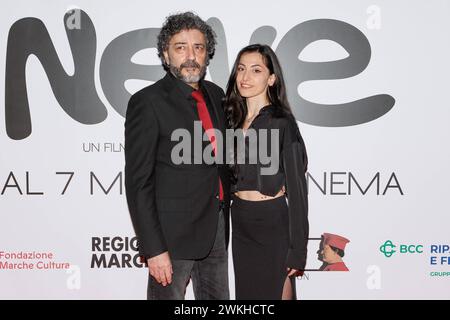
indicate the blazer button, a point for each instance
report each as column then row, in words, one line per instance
column 217, row 196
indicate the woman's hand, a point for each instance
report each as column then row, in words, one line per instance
column 295, row 272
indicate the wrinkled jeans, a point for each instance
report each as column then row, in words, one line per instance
column 209, row 275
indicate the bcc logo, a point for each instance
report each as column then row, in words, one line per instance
column 388, row 248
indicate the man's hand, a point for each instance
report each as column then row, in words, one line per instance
column 295, row 272
column 160, row 267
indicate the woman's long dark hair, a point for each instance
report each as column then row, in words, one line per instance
column 236, row 106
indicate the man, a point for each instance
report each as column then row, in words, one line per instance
column 333, row 251
column 180, row 212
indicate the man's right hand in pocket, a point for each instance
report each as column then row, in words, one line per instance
column 160, row 267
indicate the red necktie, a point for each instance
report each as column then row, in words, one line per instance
column 205, row 118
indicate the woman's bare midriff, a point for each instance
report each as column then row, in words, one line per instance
column 253, row 195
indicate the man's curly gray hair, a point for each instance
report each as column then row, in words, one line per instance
column 185, row 21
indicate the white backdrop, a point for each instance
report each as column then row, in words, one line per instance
column 405, row 148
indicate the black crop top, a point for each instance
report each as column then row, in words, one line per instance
column 291, row 171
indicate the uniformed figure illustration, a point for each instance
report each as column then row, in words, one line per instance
column 332, row 251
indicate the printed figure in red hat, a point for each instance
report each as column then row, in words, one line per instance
column 333, row 251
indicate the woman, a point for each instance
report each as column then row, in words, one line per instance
column 269, row 236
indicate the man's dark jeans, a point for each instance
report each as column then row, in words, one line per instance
column 209, row 275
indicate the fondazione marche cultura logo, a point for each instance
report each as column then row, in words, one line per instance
column 388, row 248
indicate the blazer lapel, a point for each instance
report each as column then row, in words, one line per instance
column 178, row 99
column 175, row 94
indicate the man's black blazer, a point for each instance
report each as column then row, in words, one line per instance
column 173, row 207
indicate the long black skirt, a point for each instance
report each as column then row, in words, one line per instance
column 260, row 242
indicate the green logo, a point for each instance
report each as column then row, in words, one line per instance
column 387, row 248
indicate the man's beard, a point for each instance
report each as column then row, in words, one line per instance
column 189, row 78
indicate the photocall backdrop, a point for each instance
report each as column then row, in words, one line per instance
column 368, row 83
